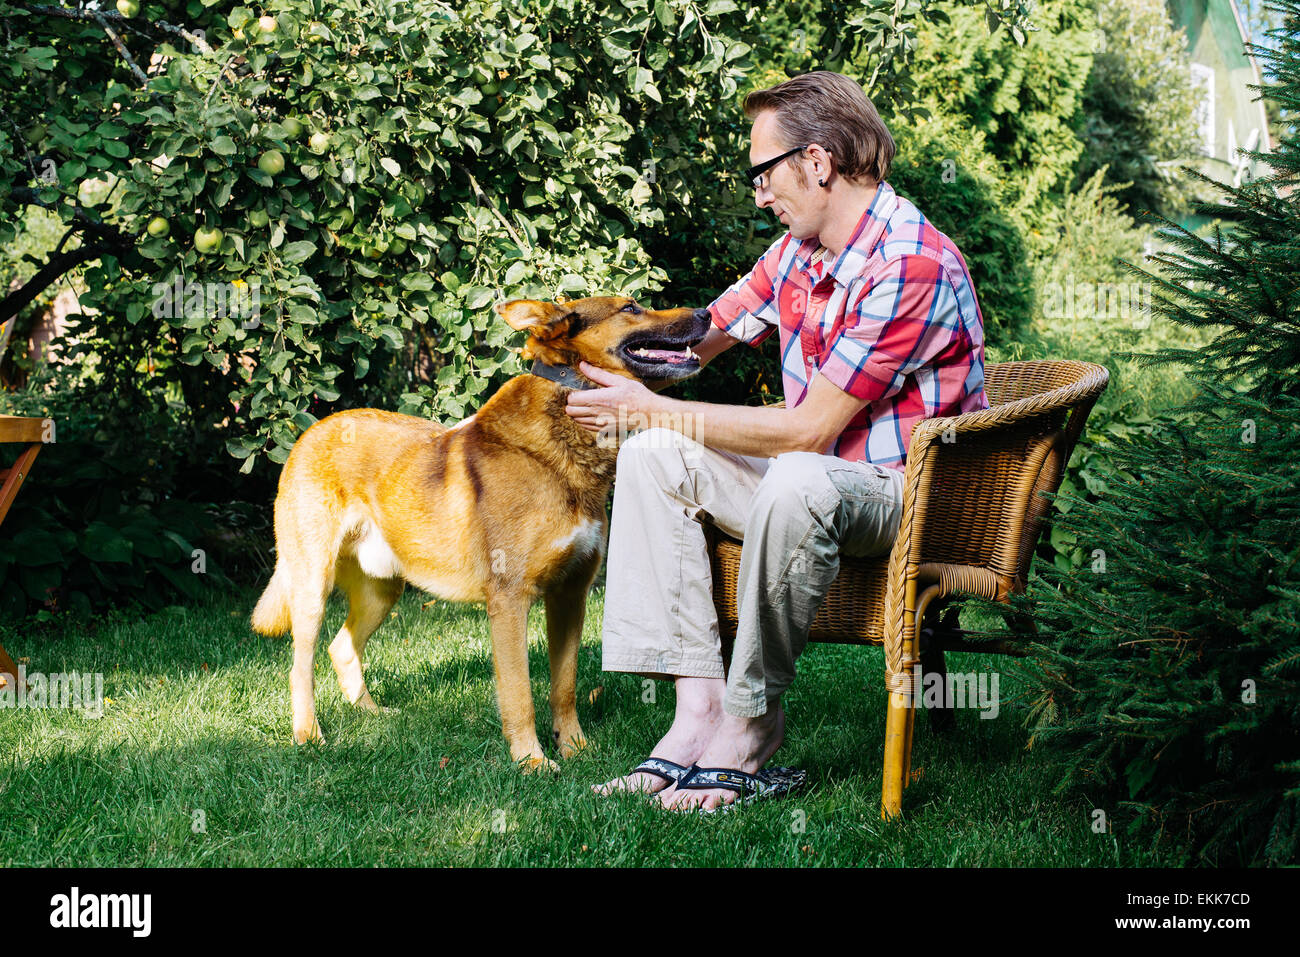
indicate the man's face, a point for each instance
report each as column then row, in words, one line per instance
column 800, row 208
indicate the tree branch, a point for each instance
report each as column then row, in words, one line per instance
column 108, row 239
column 121, row 49
column 47, row 275
column 491, row 207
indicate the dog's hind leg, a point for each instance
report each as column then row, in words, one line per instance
column 566, row 607
column 306, row 609
column 509, row 615
column 307, row 600
column 369, row 601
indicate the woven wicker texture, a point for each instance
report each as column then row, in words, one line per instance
column 971, row 515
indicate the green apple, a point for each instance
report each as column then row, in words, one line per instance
column 158, row 227
column 319, row 142
column 271, row 162
column 258, row 218
column 397, row 246
column 487, row 82
column 267, row 24
column 208, row 239
column 128, row 8
column 292, row 127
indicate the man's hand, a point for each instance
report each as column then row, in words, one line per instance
column 598, row 409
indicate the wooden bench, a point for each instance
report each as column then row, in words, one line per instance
column 31, row 432
column 972, row 515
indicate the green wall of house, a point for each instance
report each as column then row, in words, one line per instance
column 1215, row 46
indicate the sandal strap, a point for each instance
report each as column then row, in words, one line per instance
column 727, row 779
column 660, row 767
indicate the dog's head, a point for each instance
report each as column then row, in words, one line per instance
column 612, row 333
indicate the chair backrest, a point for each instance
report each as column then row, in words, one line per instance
column 982, row 506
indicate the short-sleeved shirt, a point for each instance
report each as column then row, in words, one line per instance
column 892, row 320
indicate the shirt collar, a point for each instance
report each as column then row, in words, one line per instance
column 863, row 239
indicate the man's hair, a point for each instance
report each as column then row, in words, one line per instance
column 831, row 110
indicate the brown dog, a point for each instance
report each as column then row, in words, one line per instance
column 504, row 507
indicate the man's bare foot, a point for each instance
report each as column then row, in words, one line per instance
column 699, row 711
column 741, row 744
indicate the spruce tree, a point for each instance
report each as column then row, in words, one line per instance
column 1169, row 665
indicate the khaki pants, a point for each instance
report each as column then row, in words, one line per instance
column 795, row 513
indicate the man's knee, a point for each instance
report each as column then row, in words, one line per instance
column 795, row 485
column 643, row 446
column 654, row 452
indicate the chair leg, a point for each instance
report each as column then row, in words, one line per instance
column 900, row 721
column 942, row 719
column 933, row 633
column 898, row 734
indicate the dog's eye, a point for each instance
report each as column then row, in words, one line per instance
column 630, row 307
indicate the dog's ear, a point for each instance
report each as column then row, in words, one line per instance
column 538, row 318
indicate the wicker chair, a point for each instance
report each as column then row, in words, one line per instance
column 971, row 520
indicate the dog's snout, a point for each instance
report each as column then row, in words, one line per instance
column 701, row 315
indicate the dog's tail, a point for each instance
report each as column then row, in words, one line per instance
column 271, row 616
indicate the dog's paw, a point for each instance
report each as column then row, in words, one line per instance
column 531, row 764
column 311, row 735
column 571, row 745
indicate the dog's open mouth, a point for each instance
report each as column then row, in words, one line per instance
column 666, row 352
column 660, row 358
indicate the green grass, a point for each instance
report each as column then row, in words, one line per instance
column 199, row 721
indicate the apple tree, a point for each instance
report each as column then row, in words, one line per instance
column 284, row 207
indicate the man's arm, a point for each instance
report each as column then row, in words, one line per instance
column 715, row 343
column 746, row 430
column 909, row 317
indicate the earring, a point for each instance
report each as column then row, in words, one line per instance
column 821, row 182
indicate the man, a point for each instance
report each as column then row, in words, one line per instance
column 879, row 328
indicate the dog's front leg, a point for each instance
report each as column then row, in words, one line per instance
column 509, row 615
column 566, row 608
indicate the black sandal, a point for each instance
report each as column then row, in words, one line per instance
column 768, row 782
column 662, row 768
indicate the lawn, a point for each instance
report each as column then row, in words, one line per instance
column 192, row 764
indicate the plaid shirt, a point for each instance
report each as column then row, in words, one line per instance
column 893, row 320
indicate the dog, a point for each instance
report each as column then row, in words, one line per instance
column 504, row 507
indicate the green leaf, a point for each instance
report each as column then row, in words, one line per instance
column 103, row 543
column 299, row 251
column 35, row 546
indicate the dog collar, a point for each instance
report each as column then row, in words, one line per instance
column 566, row 376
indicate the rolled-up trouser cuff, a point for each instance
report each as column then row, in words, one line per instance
column 740, row 706
column 664, row 665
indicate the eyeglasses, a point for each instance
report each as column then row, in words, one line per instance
column 755, row 174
